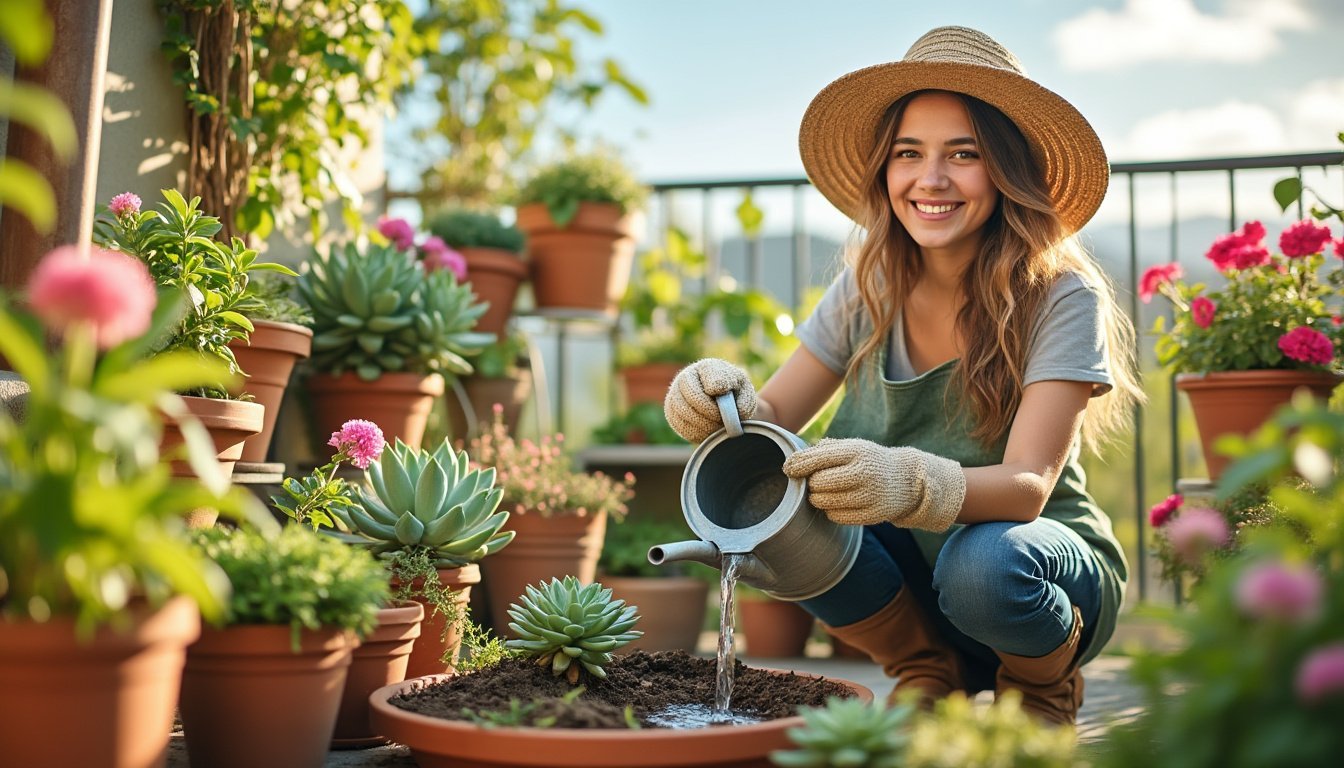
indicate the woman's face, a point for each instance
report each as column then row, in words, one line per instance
column 936, row 180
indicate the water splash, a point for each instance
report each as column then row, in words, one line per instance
column 686, row 716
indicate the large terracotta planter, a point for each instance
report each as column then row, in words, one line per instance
column 229, row 422
column 102, row 703
column 249, row 699
column 399, row 403
column 268, row 359
column 437, row 634
column 495, row 275
column 481, row 395
column 584, row 265
column 648, row 383
column 671, row 610
column 379, row 660
column 1237, row 402
column 545, row 548
column 437, row 743
column 774, row 629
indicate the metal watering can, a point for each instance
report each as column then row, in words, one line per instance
column 737, row 499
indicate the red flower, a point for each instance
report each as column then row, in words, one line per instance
column 1240, row 250
column 1307, row 345
column 1304, row 238
column 1161, row 512
column 1155, row 277
column 1202, row 310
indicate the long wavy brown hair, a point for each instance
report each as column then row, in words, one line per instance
column 1024, row 251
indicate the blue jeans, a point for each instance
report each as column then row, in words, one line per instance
column 1000, row 586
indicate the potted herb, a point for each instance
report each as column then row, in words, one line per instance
column 493, row 253
column 577, row 214
column 257, row 690
column 559, row 513
column 502, row 377
column 100, row 590
column 175, row 242
column 672, row 602
column 386, row 331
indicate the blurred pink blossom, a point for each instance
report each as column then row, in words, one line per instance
column 125, row 204
column 439, row 255
column 1290, row 593
column 1339, row 247
column 399, row 231
column 1304, row 238
column 1155, row 277
column 361, row 440
column 1202, row 310
column 111, row 291
column 1307, row 345
column 1321, row 673
column 1161, row 512
column 1196, row 531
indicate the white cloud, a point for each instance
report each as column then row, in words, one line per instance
column 1316, row 114
column 1175, row 30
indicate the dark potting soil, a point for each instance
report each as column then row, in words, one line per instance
column 647, row 682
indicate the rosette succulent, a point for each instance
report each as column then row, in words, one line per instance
column 563, row 622
column 431, row 500
column 848, row 733
column 378, row 311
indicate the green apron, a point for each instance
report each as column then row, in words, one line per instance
column 913, row 413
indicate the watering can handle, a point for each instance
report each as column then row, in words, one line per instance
column 728, row 410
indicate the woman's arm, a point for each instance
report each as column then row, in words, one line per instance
column 797, row 391
column 1046, row 425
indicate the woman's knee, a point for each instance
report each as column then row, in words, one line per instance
column 985, row 577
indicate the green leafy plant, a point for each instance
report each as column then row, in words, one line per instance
column 640, row 423
column 90, row 517
column 318, row 498
column 625, row 550
column 958, row 733
column 176, row 242
column 596, row 177
column 276, row 295
column 1289, row 191
column 376, row 310
column 297, row 578
column 501, row 358
column 848, row 732
column 464, row 228
column 564, row 622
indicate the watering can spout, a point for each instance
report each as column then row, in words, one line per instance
column 679, row 551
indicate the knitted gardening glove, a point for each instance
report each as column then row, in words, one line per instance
column 858, row 482
column 689, row 406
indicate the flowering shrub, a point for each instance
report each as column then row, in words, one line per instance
column 1274, row 311
column 433, row 252
column 1187, row 538
column 538, row 477
column 313, row 499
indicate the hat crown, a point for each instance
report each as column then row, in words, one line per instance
column 962, row 45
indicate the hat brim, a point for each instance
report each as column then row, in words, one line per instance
column 840, row 126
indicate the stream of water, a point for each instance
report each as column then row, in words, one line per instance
column 727, row 657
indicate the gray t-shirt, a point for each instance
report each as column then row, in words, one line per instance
column 1067, row 344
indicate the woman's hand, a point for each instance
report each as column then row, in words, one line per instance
column 690, row 407
column 858, row 482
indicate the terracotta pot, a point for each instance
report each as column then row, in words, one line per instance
column 648, row 383
column 229, row 423
column 437, row 633
column 248, row 698
column 482, row 394
column 437, row 743
column 268, row 359
column 116, row 690
column 584, row 265
column 671, row 610
column 545, row 548
column 1237, row 402
column 774, row 629
column 495, row 275
column 378, row 661
column 399, row 403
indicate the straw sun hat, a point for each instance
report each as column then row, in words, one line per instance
column 840, row 124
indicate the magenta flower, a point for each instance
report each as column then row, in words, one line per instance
column 111, row 291
column 125, row 204
column 399, row 231
column 361, row 440
column 1196, row 531
column 1289, row 593
column 1160, row 512
column 1339, row 247
column 1202, row 310
column 1304, row 238
column 1155, row 277
column 1240, row 250
column 1321, row 674
column 439, row 255
column 1307, row 345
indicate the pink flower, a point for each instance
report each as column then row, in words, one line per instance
column 1290, row 593
column 1160, row 512
column 1196, row 531
column 1339, row 247
column 1304, row 238
column 1321, row 674
column 1307, row 345
column 438, row 255
column 1155, row 277
column 125, row 204
column 1240, row 250
column 361, row 440
column 399, row 231
column 1202, row 310
column 111, row 291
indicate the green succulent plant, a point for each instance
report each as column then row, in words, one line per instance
column 848, row 733
column 563, row 621
column 378, row 311
column 431, row 500
column 463, row 228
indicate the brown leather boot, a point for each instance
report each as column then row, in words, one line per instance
column 1051, row 685
column 901, row 640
